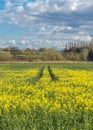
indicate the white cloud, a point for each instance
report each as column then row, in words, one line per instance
column 80, row 5
column 82, row 36
column 50, row 21
column 24, row 42
column 43, row 11
column 8, row 4
column 12, row 42
column 19, row 9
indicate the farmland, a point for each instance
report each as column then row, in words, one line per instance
column 46, row 96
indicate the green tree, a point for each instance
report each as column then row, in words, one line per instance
column 84, row 54
column 90, row 55
column 14, row 51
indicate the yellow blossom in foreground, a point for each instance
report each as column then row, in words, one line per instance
column 73, row 91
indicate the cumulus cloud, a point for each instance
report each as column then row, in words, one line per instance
column 8, row 4
column 48, row 11
column 50, row 22
column 82, row 36
column 24, row 42
column 12, row 42
column 19, row 9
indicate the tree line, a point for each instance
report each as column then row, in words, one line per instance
column 72, row 52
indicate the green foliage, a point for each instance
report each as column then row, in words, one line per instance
column 75, row 52
column 5, row 56
column 90, row 55
column 81, row 52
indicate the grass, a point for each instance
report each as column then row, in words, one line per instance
column 73, row 66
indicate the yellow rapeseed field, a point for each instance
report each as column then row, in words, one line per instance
column 66, row 104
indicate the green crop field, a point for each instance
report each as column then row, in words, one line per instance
column 47, row 96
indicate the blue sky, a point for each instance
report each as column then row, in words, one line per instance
column 45, row 23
